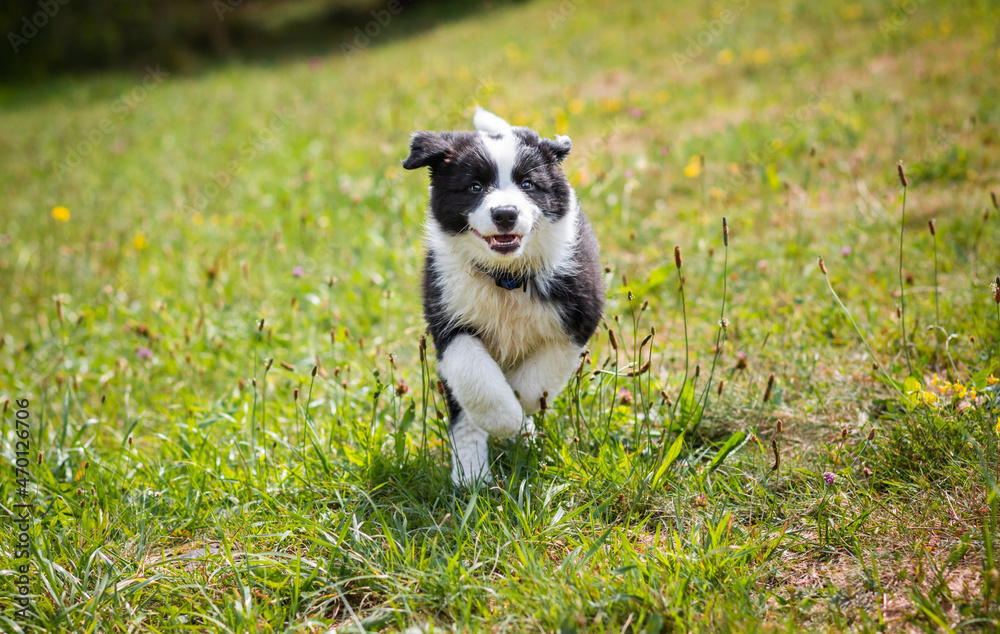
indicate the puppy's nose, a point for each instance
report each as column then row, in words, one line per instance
column 504, row 218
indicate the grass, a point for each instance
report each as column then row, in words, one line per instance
column 239, row 428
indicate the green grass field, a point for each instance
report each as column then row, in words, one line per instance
column 191, row 470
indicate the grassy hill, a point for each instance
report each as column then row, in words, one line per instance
column 209, row 299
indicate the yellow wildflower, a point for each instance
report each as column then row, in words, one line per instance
column 576, row 106
column 693, row 168
column 725, row 57
column 139, row 242
column 990, row 380
column 512, row 51
column 60, row 213
column 612, row 104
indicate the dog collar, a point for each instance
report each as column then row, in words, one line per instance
column 506, row 280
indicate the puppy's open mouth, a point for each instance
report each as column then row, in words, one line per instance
column 503, row 243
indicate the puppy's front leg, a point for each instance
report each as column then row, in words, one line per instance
column 480, row 387
column 544, row 371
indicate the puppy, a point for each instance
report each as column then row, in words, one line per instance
column 512, row 279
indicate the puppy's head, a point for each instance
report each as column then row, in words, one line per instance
column 497, row 194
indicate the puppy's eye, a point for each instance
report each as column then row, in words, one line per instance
column 475, row 188
column 527, row 185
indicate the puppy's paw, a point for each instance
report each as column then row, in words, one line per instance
column 504, row 420
column 469, row 479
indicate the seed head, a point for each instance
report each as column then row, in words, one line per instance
column 902, row 175
column 542, row 404
column 779, row 426
column 59, row 309
column 725, row 232
column 260, row 325
column 697, row 371
column 741, row 360
column 267, row 366
column 933, row 229
column 822, row 265
column 993, row 197
column 613, row 339
column 440, row 387
column 642, row 370
column 402, row 388
column 777, row 455
column 996, row 289
column 871, row 435
column 722, row 384
column 678, row 260
column 770, row 386
column 295, row 394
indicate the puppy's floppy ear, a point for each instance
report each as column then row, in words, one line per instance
column 558, row 147
column 426, row 148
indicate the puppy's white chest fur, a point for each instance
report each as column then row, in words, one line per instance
column 511, row 323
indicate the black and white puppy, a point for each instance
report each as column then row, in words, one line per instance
column 512, row 279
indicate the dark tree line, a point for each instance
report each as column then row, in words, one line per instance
column 46, row 36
